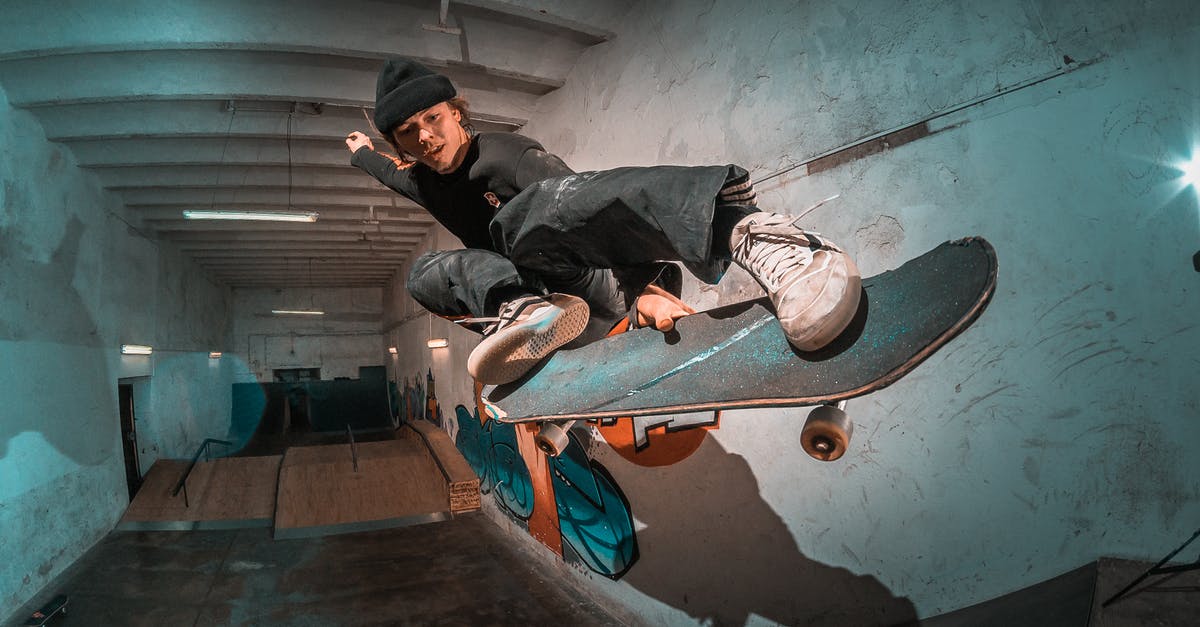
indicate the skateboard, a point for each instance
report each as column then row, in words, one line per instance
column 736, row 356
column 56, row 606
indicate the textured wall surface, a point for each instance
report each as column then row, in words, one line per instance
column 75, row 283
column 1057, row 429
column 346, row 337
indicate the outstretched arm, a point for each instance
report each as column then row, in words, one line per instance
column 386, row 168
column 357, row 140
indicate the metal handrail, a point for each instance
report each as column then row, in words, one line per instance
column 182, row 483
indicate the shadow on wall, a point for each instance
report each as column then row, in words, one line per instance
column 72, row 400
column 714, row 549
column 710, row 545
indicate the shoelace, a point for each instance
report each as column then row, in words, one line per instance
column 508, row 314
column 771, row 251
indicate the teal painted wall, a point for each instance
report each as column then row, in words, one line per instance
column 75, row 283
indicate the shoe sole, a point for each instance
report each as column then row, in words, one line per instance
column 512, row 352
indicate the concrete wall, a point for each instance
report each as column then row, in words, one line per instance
column 408, row 327
column 76, row 281
column 1056, row 430
column 347, row 337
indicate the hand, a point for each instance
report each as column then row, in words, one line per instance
column 357, row 140
column 659, row 308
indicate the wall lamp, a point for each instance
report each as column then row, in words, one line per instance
column 136, row 349
column 392, row 350
column 435, row 342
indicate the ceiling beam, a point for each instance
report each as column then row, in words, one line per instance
column 267, row 238
column 203, row 119
column 361, row 28
column 227, row 74
column 228, row 152
column 300, row 197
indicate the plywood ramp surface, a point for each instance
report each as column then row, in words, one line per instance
column 320, row 492
column 460, row 477
column 226, row 492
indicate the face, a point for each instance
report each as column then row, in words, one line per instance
column 435, row 137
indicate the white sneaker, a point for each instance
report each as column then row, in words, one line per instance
column 526, row 331
column 814, row 286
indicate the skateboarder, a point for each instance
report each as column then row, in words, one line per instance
column 548, row 249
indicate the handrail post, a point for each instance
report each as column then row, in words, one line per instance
column 353, row 447
column 182, row 483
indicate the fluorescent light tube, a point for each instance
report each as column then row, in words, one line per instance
column 214, row 355
column 304, row 216
column 136, row 349
column 438, row 342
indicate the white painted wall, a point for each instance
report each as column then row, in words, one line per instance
column 1056, row 430
column 408, row 326
column 76, row 282
column 347, row 337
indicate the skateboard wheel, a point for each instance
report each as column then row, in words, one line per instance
column 552, row 438
column 826, row 433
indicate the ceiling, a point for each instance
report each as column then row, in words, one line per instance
column 233, row 105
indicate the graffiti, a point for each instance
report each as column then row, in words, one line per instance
column 412, row 396
column 593, row 515
column 491, row 450
column 569, row 503
column 658, row 440
column 419, row 401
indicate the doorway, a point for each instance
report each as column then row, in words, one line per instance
column 133, row 475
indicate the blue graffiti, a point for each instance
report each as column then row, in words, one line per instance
column 491, row 450
column 593, row 515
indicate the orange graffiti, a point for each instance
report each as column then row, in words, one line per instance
column 662, row 445
column 543, row 522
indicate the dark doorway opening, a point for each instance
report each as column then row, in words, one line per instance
column 297, row 375
column 133, row 475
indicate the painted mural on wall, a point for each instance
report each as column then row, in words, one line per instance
column 571, row 503
column 658, row 440
column 419, row 400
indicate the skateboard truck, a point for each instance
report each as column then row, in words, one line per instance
column 827, row 432
column 825, row 436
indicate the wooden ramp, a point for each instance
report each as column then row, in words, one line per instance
column 226, row 493
column 396, row 483
column 461, row 482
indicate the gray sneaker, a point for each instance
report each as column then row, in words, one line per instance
column 526, row 331
column 814, row 286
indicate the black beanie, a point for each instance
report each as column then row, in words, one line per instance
column 404, row 88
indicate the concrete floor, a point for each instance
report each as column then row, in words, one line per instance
column 459, row 572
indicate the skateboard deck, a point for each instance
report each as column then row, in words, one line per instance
column 56, row 606
column 736, row 356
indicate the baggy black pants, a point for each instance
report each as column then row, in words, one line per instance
column 623, row 220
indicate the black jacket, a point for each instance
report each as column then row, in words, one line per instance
column 496, row 168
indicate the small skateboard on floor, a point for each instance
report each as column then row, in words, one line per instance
column 736, row 356
column 56, row 606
